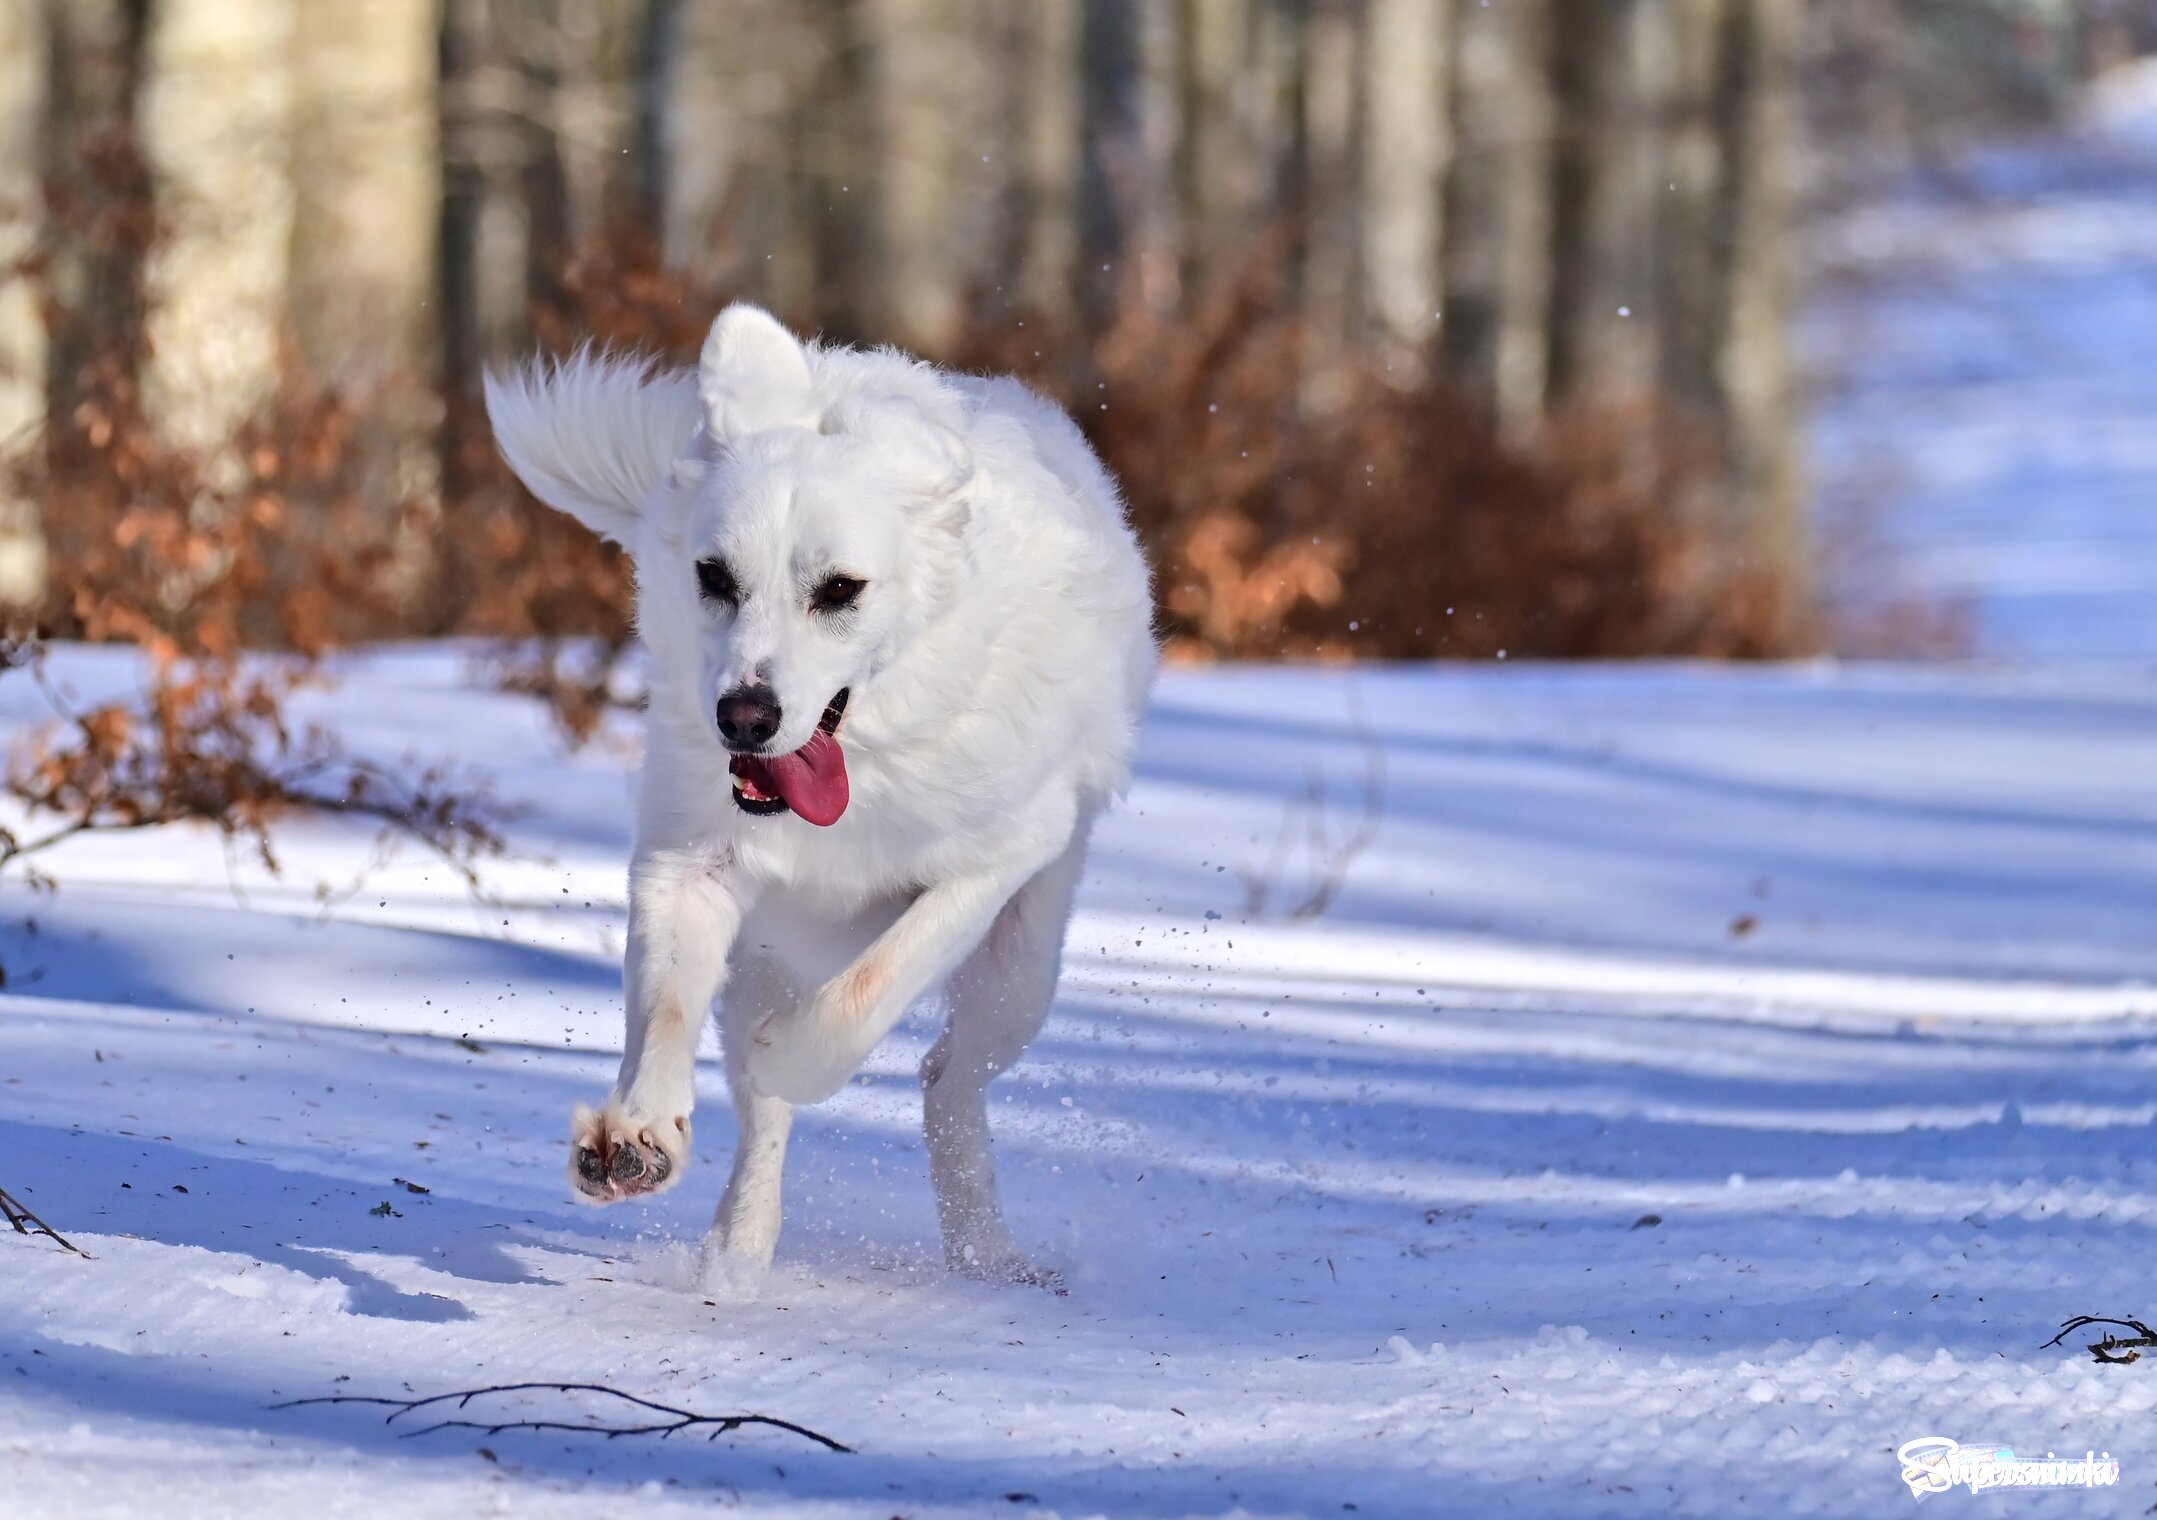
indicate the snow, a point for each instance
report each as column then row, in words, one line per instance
column 1703, row 1081
column 1986, row 407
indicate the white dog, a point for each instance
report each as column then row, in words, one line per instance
column 900, row 641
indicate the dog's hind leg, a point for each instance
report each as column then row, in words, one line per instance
column 998, row 999
column 745, row 1231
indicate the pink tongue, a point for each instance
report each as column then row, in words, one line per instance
column 813, row 779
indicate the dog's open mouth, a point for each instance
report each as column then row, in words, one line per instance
column 811, row 781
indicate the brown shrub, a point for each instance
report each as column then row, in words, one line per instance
column 210, row 742
column 1393, row 521
column 1338, row 516
column 276, row 540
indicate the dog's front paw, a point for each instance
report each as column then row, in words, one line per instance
column 614, row 1155
column 793, row 1055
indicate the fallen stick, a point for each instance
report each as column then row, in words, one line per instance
column 2105, row 1349
column 27, row 1223
column 678, row 1419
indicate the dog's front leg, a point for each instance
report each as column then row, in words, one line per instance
column 806, row 1054
column 684, row 912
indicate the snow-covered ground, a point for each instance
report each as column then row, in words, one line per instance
column 1703, row 1082
column 1986, row 348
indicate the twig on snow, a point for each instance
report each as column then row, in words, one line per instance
column 677, row 1419
column 2106, row 1348
column 1327, row 861
column 27, row 1223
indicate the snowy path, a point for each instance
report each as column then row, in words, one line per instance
column 1846, row 980
column 1988, row 402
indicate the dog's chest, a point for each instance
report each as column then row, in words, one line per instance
column 880, row 848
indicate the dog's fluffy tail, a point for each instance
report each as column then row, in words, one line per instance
column 594, row 433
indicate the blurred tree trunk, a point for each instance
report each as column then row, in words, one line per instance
column 835, row 137
column 215, row 120
column 1155, row 252
column 460, row 44
column 1699, row 247
column 465, row 48
column 1757, row 118
column 22, row 337
column 918, row 153
column 1497, row 211
column 1047, row 132
column 1111, row 158
column 1290, row 37
column 503, row 228
column 1407, row 148
column 1284, row 39
column 1591, row 99
column 1328, row 213
column 362, row 171
column 1208, row 216
column 1013, row 41
column 651, row 145
column 724, row 215
column 1880, row 36
column 1472, row 252
column 98, row 219
column 1729, row 299
column 543, row 177
column 22, row 340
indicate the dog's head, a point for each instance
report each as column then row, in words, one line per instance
column 792, row 527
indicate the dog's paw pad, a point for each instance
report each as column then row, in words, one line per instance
column 615, row 1157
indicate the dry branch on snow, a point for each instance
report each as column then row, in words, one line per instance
column 13, row 1210
column 2109, row 1347
column 674, row 1420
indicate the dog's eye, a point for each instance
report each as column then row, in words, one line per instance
column 837, row 593
column 716, row 582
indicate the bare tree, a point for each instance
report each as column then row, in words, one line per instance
column 1110, row 162
column 658, row 47
column 22, row 336
column 937, row 170
column 363, row 203
column 543, row 185
column 464, row 44
column 1497, row 211
column 1033, row 244
column 1728, row 298
column 834, row 134
column 1407, row 150
column 1756, row 118
column 98, row 212
column 1205, row 73
column 1592, row 86
column 1326, row 214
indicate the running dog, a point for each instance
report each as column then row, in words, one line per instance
column 900, row 639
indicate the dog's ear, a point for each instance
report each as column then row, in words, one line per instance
column 753, row 375
column 592, row 435
column 929, row 460
column 948, row 469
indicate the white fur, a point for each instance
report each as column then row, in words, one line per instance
column 592, row 434
column 998, row 664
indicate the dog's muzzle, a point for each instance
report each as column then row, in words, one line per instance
column 811, row 781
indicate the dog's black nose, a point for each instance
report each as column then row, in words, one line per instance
column 748, row 717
